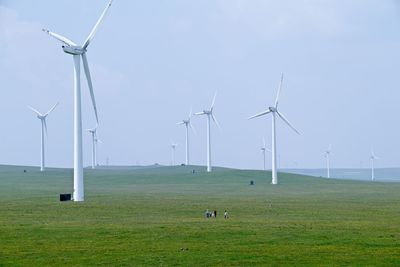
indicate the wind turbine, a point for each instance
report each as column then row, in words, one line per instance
column 274, row 111
column 95, row 140
column 173, row 146
column 328, row 161
column 263, row 149
column 42, row 119
column 77, row 52
column 373, row 157
column 187, row 125
column 210, row 115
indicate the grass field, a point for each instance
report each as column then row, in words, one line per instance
column 155, row 217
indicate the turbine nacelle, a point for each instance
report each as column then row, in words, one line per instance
column 73, row 50
column 273, row 109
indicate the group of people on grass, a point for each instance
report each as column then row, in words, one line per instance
column 213, row 214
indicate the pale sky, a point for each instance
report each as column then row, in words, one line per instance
column 152, row 60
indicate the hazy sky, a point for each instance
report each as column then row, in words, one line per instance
column 152, row 60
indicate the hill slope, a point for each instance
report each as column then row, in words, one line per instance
column 154, row 216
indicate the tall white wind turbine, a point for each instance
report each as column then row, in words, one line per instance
column 42, row 118
column 372, row 158
column 328, row 161
column 263, row 149
column 275, row 112
column 210, row 115
column 77, row 52
column 95, row 140
column 173, row 146
column 188, row 125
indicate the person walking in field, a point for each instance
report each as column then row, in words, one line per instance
column 226, row 216
column 207, row 214
column 215, row 214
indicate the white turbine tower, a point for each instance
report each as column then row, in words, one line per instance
column 373, row 157
column 173, row 146
column 274, row 111
column 210, row 115
column 328, row 161
column 95, row 140
column 42, row 118
column 263, row 149
column 187, row 124
column 77, row 52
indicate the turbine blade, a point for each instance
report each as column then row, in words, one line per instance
column 96, row 26
column 200, row 113
column 89, row 80
column 45, row 125
column 59, row 37
column 191, row 127
column 260, row 114
column 34, row 110
column 180, row 123
column 287, row 122
column 48, row 112
column 264, row 146
column 190, row 113
column 215, row 120
column 213, row 102
column 279, row 92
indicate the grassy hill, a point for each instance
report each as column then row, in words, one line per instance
column 155, row 216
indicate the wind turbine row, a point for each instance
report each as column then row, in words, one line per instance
column 77, row 53
column 210, row 115
column 188, row 124
column 372, row 159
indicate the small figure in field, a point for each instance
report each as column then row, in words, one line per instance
column 226, row 215
column 207, row 214
column 215, row 213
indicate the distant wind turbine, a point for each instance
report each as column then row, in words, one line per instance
column 263, row 149
column 210, row 115
column 373, row 157
column 42, row 118
column 328, row 159
column 173, row 146
column 274, row 111
column 77, row 52
column 95, row 141
column 187, row 124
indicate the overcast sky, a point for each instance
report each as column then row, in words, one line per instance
column 153, row 60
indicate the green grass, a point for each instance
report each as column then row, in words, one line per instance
column 145, row 217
